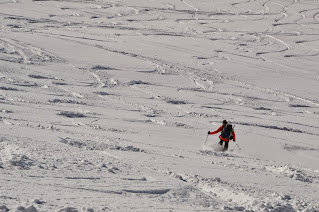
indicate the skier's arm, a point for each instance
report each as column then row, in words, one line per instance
column 233, row 132
column 218, row 130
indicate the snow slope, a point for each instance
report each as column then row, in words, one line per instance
column 105, row 105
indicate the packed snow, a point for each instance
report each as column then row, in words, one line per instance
column 105, row 105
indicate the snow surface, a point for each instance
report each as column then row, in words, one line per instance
column 105, row 105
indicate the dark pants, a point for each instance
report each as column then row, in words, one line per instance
column 226, row 144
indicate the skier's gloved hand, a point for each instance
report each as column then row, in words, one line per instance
column 208, row 132
column 234, row 141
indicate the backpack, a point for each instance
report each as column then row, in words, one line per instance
column 227, row 132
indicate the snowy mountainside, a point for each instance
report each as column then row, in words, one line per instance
column 106, row 105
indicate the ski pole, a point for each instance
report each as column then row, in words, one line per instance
column 206, row 139
column 237, row 146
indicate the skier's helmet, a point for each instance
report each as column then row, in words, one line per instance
column 224, row 122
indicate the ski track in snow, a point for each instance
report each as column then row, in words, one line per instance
column 113, row 100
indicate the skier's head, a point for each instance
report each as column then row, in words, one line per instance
column 224, row 122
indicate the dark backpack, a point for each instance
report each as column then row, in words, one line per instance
column 227, row 132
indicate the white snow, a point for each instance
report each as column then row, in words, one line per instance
column 105, row 105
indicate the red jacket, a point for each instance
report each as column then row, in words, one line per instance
column 220, row 129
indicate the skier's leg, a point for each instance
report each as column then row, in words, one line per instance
column 221, row 142
column 226, row 145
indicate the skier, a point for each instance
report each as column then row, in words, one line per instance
column 227, row 133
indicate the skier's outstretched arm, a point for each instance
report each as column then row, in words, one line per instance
column 233, row 132
column 216, row 131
